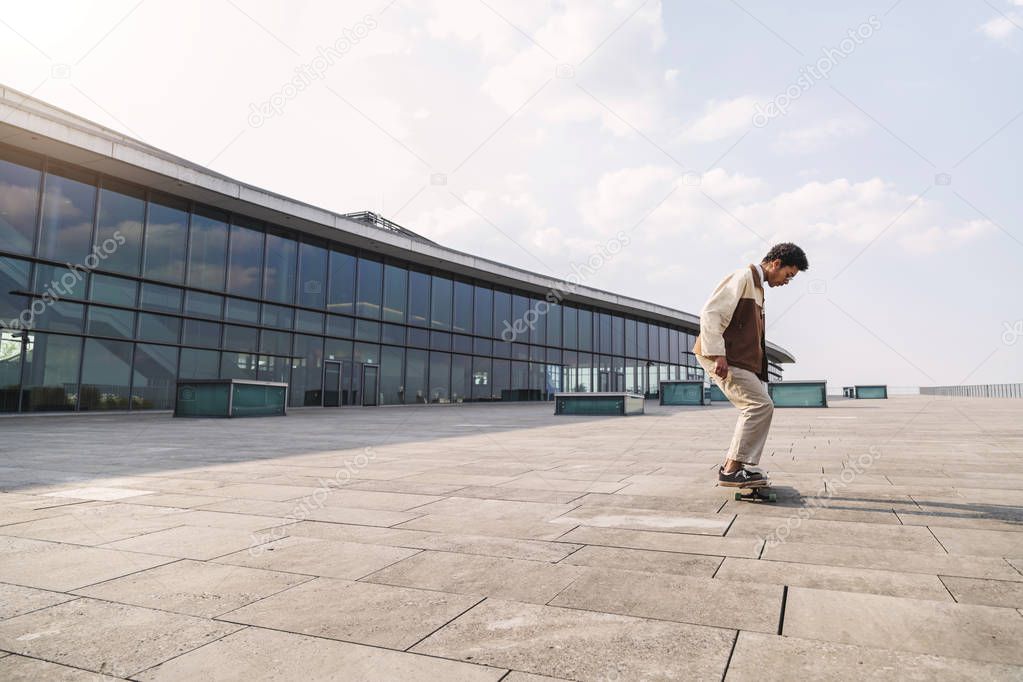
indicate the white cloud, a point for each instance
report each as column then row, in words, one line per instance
column 815, row 137
column 721, row 119
column 999, row 28
column 671, row 75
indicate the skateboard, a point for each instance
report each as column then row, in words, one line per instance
column 756, row 493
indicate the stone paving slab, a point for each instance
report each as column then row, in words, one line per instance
column 644, row 560
column 986, row 592
column 21, row 669
column 312, row 556
column 364, row 613
column 16, row 600
column 107, row 638
column 808, row 660
column 984, row 633
column 665, row 542
column 259, row 654
column 581, row 645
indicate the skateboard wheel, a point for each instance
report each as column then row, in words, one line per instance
column 773, row 497
column 738, row 496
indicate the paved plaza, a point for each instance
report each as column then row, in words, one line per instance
column 499, row 542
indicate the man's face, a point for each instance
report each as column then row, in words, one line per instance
column 779, row 275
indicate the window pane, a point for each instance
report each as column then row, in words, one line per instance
column 554, row 325
column 111, row 322
column 241, row 338
column 60, row 316
column 14, row 309
column 204, row 305
column 281, row 268
column 481, row 370
column 395, row 293
column 440, row 377
column 392, row 361
column 200, row 333
column 306, row 371
column 239, row 365
column 482, row 346
column 113, row 290
column 240, row 310
column 585, row 330
column 370, row 285
column 630, row 338
column 342, row 283
column 278, row 316
column 503, row 316
column 419, row 299
column 501, row 379
column 440, row 341
column 245, row 261
column 502, row 349
column 10, row 370
column 159, row 328
column 462, row 319
column 520, row 332
column 270, row 368
column 536, row 318
column 61, row 282
column 19, row 202
column 340, row 326
column 312, row 269
column 440, row 303
column 106, row 373
column 337, row 349
column 166, row 236
column 420, row 338
column 309, row 321
column 571, row 327
column 207, row 258
column 69, row 204
column 483, row 323
column 461, row 344
column 122, row 209
column 461, row 377
column 368, row 353
column 158, row 297
column 662, row 333
column 199, row 364
column 153, row 377
column 274, row 343
column 367, row 330
column 393, row 333
column 51, row 372
column 415, row 376
column 604, row 321
column 642, row 340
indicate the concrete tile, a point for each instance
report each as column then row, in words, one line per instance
column 364, row 613
column 706, row 504
column 996, row 543
column 175, row 500
column 665, row 542
column 986, row 592
column 311, row 556
column 540, row 482
column 511, row 548
column 892, row 560
column 896, row 584
column 410, row 487
column 982, row 633
column 979, row 520
column 97, row 493
column 648, row 519
column 265, row 491
column 863, row 535
column 188, row 542
column 580, row 645
column 495, row 509
column 96, row 525
column 644, row 560
column 21, row 669
column 246, row 522
column 60, row 567
column 16, row 600
column 527, row 529
column 311, row 511
column 109, row 638
column 684, row 599
column 461, row 480
column 194, row 588
column 366, row 499
column 519, row 494
column 258, row 654
column 759, row 656
column 514, row 579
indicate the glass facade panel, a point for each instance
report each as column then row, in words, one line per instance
column 201, row 333
column 159, row 297
column 10, row 370
column 207, row 250
column 415, row 376
column 20, row 178
column 199, row 364
column 370, row 288
column 367, row 330
column 483, row 313
column 306, row 387
column 309, row 321
column 14, row 308
column 240, row 310
column 159, row 328
column 113, row 290
column 462, row 317
column 395, row 294
column 113, row 322
column 274, row 342
column 570, row 326
column 503, row 317
column 461, row 378
column 312, row 275
column 153, row 377
column 241, row 338
column 481, row 371
column 618, row 335
column 419, row 299
column 245, row 261
column 122, row 211
column 281, row 268
column 69, row 206
column 50, row 379
column 537, row 320
column 60, row 316
column 392, row 363
column 440, row 303
column 585, row 330
column 277, row 316
column 198, row 304
column 341, row 296
column 165, row 240
column 440, row 377
column 554, row 324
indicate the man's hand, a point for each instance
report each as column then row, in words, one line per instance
column 721, row 366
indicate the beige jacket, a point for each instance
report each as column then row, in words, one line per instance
column 732, row 322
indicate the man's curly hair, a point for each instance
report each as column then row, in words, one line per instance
column 789, row 254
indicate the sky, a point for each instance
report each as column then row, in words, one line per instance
column 687, row 137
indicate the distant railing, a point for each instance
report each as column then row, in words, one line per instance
column 976, row 391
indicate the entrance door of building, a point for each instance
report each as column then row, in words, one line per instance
column 369, row 386
column 331, row 384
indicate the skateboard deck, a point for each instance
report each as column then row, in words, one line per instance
column 756, row 493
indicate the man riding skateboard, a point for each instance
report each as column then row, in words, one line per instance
column 732, row 350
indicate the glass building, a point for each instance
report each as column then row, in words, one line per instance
column 123, row 269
